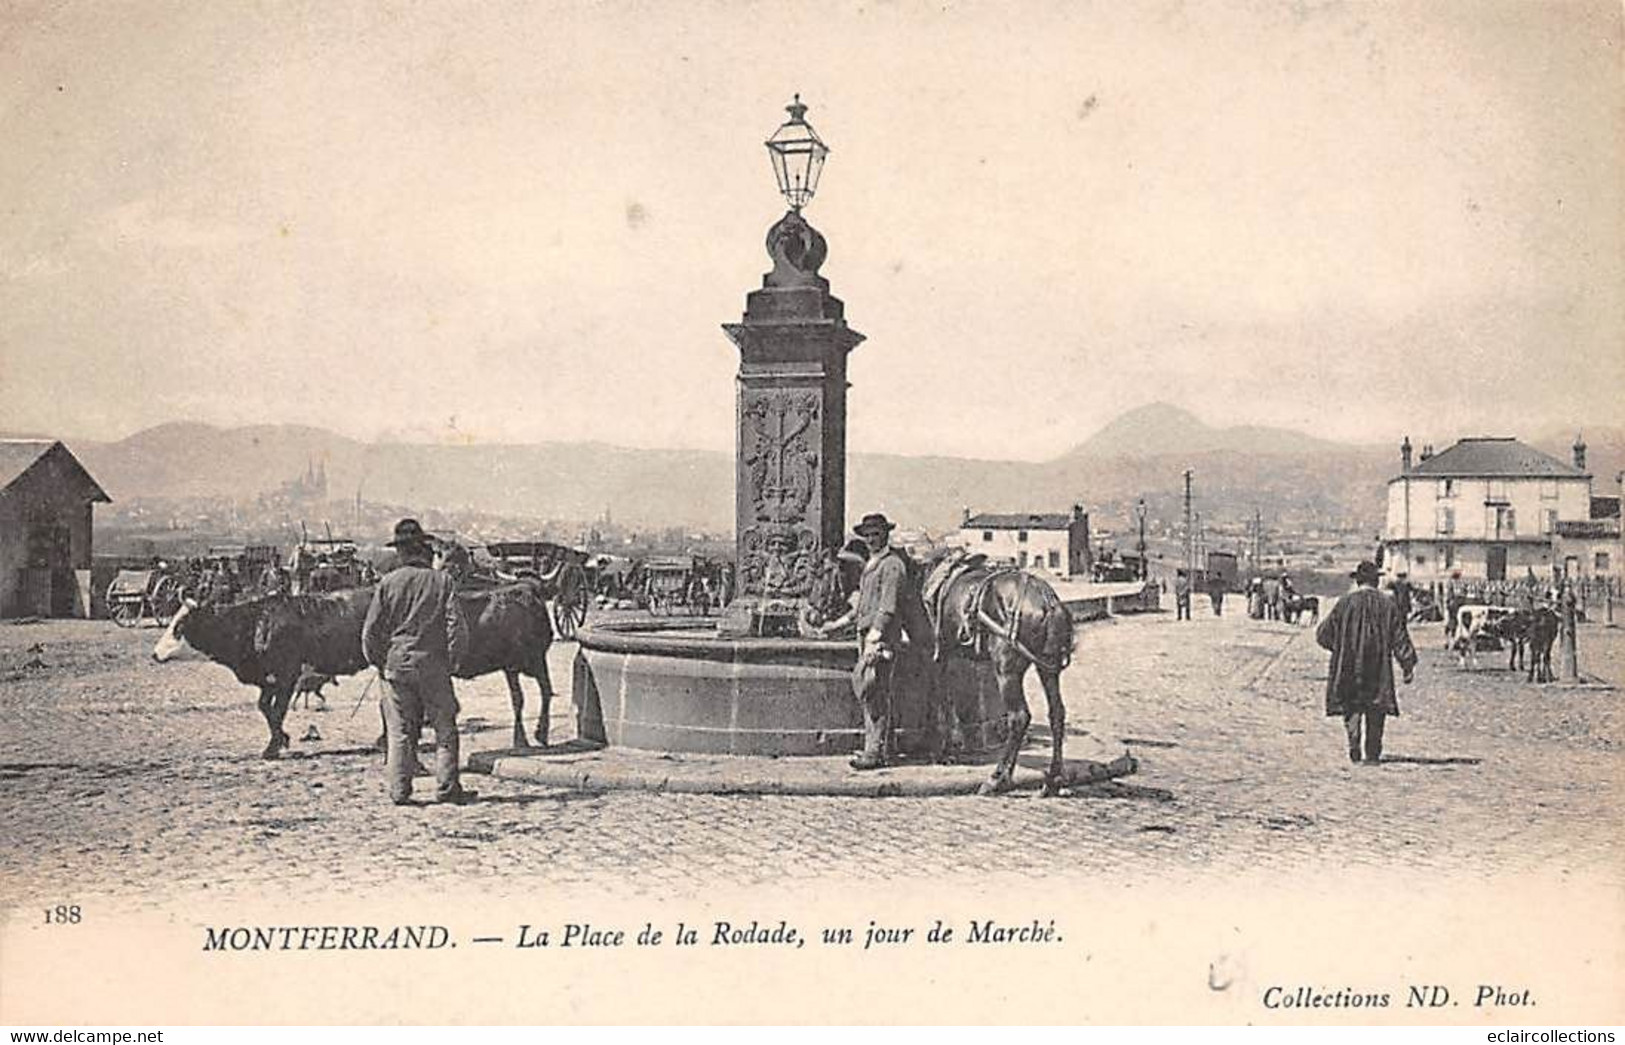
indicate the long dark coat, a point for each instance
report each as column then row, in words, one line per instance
column 1365, row 634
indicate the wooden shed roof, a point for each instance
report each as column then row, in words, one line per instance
column 19, row 456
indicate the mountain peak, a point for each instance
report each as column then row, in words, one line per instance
column 1162, row 429
column 1147, row 431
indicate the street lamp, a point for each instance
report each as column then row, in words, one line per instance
column 798, row 156
column 1139, row 509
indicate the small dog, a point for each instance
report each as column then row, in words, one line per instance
column 310, row 685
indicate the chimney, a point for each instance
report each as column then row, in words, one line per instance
column 1405, row 455
column 1077, row 513
column 1580, row 452
column 964, row 516
column 1427, row 451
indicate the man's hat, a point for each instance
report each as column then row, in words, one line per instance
column 874, row 521
column 1366, row 572
column 409, row 534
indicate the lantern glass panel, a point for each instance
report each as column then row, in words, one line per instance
column 798, row 160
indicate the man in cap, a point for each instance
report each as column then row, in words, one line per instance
column 887, row 604
column 1365, row 634
column 415, row 634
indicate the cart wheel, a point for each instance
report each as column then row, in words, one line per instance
column 166, row 601
column 566, row 618
column 126, row 614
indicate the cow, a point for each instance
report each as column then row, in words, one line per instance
column 1478, row 627
column 1294, row 606
column 1535, row 630
column 271, row 642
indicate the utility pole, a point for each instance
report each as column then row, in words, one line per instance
column 1570, row 645
column 1145, row 571
column 1190, row 562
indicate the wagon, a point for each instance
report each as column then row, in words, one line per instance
column 666, row 583
column 138, row 594
column 561, row 568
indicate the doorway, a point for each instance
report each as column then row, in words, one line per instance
column 1495, row 564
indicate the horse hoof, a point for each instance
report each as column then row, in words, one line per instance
column 521, row 741
column 997, row 785
column 271, row 753
column 541, row 737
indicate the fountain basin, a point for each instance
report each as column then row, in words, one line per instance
column 679, row 687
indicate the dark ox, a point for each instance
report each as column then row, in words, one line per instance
column 270, row 642
column 1535, row 630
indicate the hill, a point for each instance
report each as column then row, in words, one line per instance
column 1299, row 482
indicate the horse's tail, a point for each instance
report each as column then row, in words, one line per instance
column 1060, row 636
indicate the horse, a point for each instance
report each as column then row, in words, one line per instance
column 1015, row 620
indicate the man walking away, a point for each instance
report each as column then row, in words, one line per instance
column 415, row 634
column 1182, row 596
column 1365, row 634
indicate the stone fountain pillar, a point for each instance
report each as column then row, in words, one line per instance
column 790, row 450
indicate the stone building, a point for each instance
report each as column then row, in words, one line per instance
column 1486, row 508
column 1054, row 543
column 1592, row 549
column 46, row 500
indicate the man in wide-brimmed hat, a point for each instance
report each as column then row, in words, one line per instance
column 885, row 607
column 1366, row 634
column 415, row 634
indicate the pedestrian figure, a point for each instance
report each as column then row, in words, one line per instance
column 1182, row 596
column 1365, row 634
column 415, row 635
column 1401, row 587
column 1216, row 593
column 888, row 599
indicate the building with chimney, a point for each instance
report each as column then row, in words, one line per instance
column 1593, row 549
column 1488, row 508
column 1055, row 543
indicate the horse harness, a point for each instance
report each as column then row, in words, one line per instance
column 976, row 613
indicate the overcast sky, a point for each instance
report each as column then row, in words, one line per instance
column 526, row 222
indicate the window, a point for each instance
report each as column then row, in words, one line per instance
column 1021, row 536
column 1548, row 489
column 1548, row 521
column 987, row 535
column 1601, row 563
column 1447, row 520
column 1449, row 556
column 1021, row 557
column 1496, row 490
column 1500, row 523
column 1054, row 560
column 1447, row 488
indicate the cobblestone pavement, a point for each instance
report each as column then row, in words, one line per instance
column 123, row 777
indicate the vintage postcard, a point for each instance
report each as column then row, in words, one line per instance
column 858, row 513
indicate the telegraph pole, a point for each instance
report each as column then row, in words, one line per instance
column 1190, row 561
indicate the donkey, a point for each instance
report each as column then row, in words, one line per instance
column 1014, row 620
